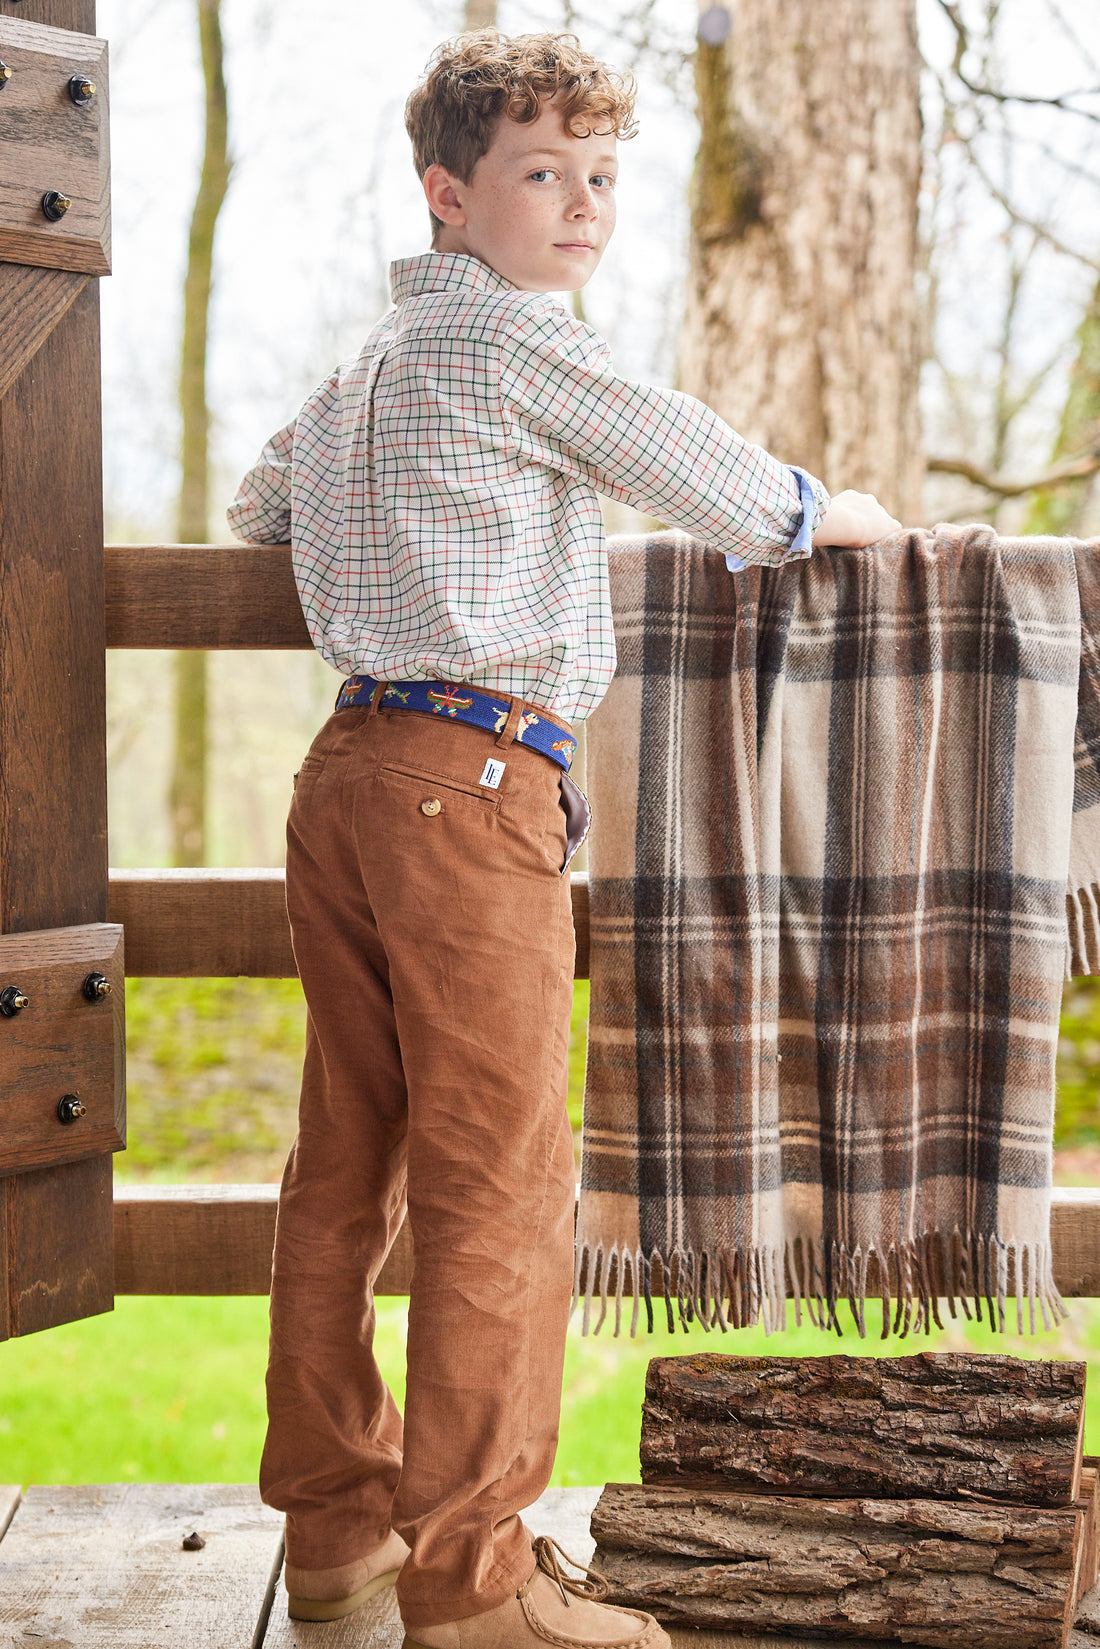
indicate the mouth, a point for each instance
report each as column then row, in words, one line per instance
column 574, row 246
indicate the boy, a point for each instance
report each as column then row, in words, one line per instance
column 439, row 492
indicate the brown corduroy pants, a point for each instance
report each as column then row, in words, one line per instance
column 433, row 933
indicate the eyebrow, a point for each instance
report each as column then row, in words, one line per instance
column 558, row 154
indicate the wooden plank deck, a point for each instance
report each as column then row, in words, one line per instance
column 105, row 1568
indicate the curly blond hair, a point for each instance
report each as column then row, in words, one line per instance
column 478, row 77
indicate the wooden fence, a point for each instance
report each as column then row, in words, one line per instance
column 212, row 1239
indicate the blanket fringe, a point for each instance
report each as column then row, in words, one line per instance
column 724, row 1289
column 1083, row 932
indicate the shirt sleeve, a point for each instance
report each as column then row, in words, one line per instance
column 260, row 513
column 658, row 450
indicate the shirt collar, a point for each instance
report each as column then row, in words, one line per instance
column 441, row 272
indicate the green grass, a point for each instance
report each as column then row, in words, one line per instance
column 172, row 1390
column 212, row 1070
column 1077, row 1118
column 157, row 1391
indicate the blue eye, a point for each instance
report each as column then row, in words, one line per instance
column 543, row 172
column 603, row 178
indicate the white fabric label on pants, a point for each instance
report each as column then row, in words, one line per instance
column 492, row 774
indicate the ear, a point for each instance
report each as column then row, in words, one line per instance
column 441, row 190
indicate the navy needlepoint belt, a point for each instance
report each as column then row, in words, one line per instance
column 480, row 709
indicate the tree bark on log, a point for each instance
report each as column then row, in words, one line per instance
column 936, row 1425
column 936, row 1573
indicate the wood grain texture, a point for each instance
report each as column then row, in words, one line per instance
column 203, row 924
column 202, row 595
column 62, row 1044
column 53, row 803
column 211, row 1239
column 216, row 1239
column 210, row 924
column 940, row 1573
column 59, row 14
column 10, row 1496
column 104, row 1567
column 1075, row 1239
column 107, row 1545
column 61, row 1244
column 31, row 304
column 50, row 142
column 939, row 1425
column 57, row 1227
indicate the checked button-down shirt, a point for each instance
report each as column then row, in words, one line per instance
column 440, row 490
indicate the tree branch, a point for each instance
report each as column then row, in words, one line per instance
column 1077, row 469
column 1039, row 229
column 962, row 45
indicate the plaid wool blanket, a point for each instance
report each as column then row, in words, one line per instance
column 846, row 848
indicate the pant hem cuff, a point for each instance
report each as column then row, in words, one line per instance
column 334, row 1557
column 503, row 1585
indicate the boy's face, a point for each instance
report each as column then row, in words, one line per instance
column 539, row 207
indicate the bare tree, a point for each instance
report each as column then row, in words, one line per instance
column 996, row 137
column 802, row 324
column 187, row 795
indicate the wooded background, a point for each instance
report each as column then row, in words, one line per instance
column 866, row 233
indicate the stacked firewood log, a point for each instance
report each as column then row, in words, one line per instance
column 939, row 1499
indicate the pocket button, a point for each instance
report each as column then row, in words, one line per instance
column 431, row 807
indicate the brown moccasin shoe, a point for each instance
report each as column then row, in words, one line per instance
column 330, row 1594
column 548, row 1609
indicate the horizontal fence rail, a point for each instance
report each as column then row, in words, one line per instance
column 220, row 924
column 205, row 596
column 217, row 1239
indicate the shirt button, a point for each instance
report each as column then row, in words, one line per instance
column 432, row 807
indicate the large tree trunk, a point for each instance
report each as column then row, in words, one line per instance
column 187, row 796
column 802, row 322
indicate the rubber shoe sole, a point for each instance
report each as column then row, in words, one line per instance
column 309, row 1608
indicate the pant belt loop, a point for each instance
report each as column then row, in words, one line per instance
column 511, row 726
column 377, row 697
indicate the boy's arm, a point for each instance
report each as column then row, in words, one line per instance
column 657, row 449
column 260, row 513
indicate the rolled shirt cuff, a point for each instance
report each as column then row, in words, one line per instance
column 815, row 501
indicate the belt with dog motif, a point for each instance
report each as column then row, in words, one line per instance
column 457, row 703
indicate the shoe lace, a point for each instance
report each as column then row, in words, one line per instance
column 591, row 1585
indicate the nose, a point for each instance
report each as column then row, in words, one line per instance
column 583, row 203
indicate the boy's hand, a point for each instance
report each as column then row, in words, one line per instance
column 854, row 520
